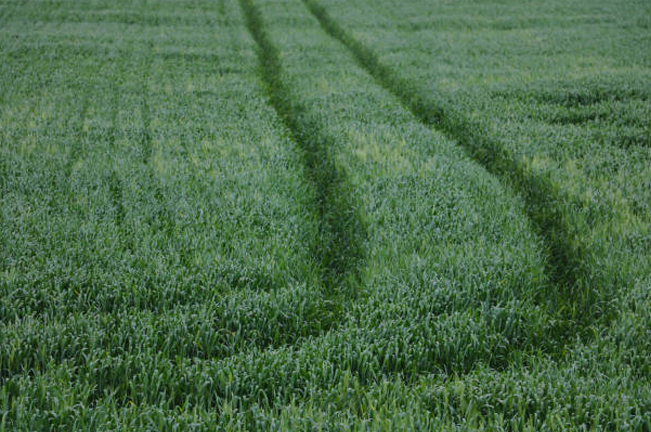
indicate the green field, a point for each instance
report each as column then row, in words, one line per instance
column 325, row 215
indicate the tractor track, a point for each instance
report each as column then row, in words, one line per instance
column 340, row 251
column 578, row 300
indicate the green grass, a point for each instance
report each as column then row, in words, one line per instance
column 324, row 215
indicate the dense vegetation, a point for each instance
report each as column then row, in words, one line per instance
column 325, row 215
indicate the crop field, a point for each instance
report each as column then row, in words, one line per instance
column 330, row 215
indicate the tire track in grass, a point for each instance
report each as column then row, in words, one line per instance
column 339, row 252
column 114, row 182
column 115, row 98
column 117, row 198
column 579, row 302
column 145, row 112
column 77, row 133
